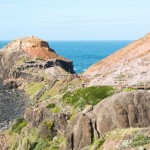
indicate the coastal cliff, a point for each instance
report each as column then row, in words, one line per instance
column 30, row 52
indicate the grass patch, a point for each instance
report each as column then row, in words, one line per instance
column 33, row 87
column 40, row 144
column 97, row 144
column 39, row 58
column 117, row 133
column 49, row 124
column 56, row 109
column 140, row 140
column 51, row 105
column 46, row 95
column 128, row 89
column 87, row 96
column 57, row 143
column 18, row 125
column 22, row 60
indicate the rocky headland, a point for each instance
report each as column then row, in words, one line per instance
column 45, row 106
column 23, row 54
column 24, row 61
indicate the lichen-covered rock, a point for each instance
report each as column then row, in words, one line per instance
column 46, row 130
column 123, row 110
column 47, row 122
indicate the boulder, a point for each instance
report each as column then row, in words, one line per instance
column 123, row 110
column 47, row 122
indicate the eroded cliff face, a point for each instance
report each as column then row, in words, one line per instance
column 123, row 110
column 30, row 52
column 33, row 47
column 129, row 65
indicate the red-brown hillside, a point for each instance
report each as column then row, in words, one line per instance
column 34, row 47
column 129, row 64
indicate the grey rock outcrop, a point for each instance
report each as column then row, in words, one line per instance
column 12, row 106
column 49, row 124
column 123, row 110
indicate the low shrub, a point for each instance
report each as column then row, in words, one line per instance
column 51, row 105
column 98, row 143
column 40, row 144
column 33, row 87
column 57, row 143
column 87, row 96
column 140, row 140
column 128, row 89
column 18, row 125
column 49, row 124
column 39, row 58
column 46, row 95
column 56, row 109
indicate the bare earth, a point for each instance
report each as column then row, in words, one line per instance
column 130, row 65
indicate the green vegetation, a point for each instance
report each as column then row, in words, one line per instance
column 51, row 105
column 73, row 114
column 39, row 58
column 140, row 140
column 33, row 87
column 49, row 124
column 56, row 109
column 40, row 144
column 18, row 125
column 117, row 133
column 87, row 96
column 46, row 95
column 97, row 144
column 128, row 89
column 57, row 143
column 22, row 60
column 34, row 142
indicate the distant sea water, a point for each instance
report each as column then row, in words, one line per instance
column 84, row 53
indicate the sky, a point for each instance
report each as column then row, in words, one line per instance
column 74, row 19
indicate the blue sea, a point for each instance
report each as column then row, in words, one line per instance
column 84, row 53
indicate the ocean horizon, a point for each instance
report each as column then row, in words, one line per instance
column 84, row 53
